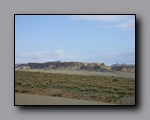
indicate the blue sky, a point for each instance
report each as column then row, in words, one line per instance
column 85, row 38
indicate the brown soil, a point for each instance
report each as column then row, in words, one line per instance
column 25, row 99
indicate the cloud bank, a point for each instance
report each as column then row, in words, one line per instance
column 125, row 57
column 24, row 57
column 130, row 25
column 126, row 22
column 103, row 18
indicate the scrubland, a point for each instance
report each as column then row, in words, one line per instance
column 118, row 90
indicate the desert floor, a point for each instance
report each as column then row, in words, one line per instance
column 26, row 99
column 83, row 72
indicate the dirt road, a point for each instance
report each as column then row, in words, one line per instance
column 26, row 99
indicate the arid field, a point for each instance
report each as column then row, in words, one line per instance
column 26, row 99
column 93, row 87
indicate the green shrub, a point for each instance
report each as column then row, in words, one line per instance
column 17, row 83
column 115, row 80
column 57, row 95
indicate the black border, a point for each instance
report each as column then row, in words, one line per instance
column 89, row 106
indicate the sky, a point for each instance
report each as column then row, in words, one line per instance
column 105, row 39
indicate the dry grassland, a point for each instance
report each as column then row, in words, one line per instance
column 117, row 90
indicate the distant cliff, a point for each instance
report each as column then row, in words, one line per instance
column 123, row 67
column 70, row 66
column 57, row 65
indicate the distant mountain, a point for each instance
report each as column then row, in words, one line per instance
column 123, row 67
column 123, row 64
column 69, row 66
column 17, row 65
column 58, row 65
column 21, row 64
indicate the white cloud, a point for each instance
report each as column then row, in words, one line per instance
column 130, row 25
column 126, row 22
column 59, row 52
column 25, row 57
column 107, row 58
column 127, row 25
column 103, row 18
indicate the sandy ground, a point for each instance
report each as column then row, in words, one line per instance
column 83, row 72
column 26, row 99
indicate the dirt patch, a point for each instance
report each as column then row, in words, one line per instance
column 24, row 99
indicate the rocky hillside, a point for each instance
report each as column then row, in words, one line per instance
column 70, row 66
column 57, row 65
column 123, row 67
